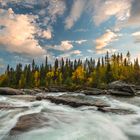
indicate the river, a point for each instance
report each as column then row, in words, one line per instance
column 66, row 123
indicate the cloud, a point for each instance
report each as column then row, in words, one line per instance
column 76, row 12
column 64, row 46
column 105, row 39
column 104, row 51
column 47, row 34
column 134, row 18
column 100, row 11
column 104, row 10
column 56, row 8
column 136, row 36
column 69, row 54
column 80, row 41
column 18, row 33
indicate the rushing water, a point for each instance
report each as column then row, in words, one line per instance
column 66, row 123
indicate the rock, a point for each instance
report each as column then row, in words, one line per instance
column 44, row 89
column 29, row 91
column 10, row 91
column 29, row 98
column 93, row 91
column 77, row 101
column 121, row 89
column 57, row 89
column 40, row 96
column 121, row 86
column 29, row 122
column 138, row 93
column 116, row 111
column 6, row 106
column 120, row 93
column 136, row 87
column 37, row 90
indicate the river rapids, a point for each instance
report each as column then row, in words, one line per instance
column 61, row 122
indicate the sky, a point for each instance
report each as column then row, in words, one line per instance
column 34, row 29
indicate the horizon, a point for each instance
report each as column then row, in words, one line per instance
column 75, row 29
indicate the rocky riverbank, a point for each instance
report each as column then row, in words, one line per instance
column 117, row 88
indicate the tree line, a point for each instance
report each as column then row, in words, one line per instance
column 90, row 72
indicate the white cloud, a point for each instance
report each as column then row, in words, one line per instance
column 80, row 41
column 90, row 51
column 70, row 53
column 47, row 34
column 136, row 36
column 104, row 51
column 18, row 33
column 106, row 9
column 100, row 11
column 105, row 39
column 64, row 46
column 75, row 13
column 56, row 8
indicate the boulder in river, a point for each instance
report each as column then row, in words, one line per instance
column 77, row 101
column 29, row 91
column 121, row 88
column 120, row 93
column 10, row 91
column 116, row 111
column 28, row 122
column 93, row 91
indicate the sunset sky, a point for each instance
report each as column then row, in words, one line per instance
column 67, row 28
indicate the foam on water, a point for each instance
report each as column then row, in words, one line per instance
column 66, row 123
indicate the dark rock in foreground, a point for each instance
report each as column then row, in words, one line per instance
column 28, row 122
column 77, row 101
column 10, row 91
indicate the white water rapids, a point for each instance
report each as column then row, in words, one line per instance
column 66, row 123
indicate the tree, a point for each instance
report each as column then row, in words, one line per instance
column 22, row 81
column 78, row 76
column 36, row 79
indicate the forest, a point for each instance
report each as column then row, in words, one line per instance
column 91, row 73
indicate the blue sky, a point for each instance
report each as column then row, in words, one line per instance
column 67, row 28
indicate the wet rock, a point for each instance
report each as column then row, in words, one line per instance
column 6, row 106
column 40, row 96
column 37, row 90
column 93, row 91
column 120, row 93
column 116, row 111
column 77, row 101
column 138, row 93
column 44, row 89
column 10, row 91
column 29, row 122
column 57, row 89
column 29, row 91
column 121, row 86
